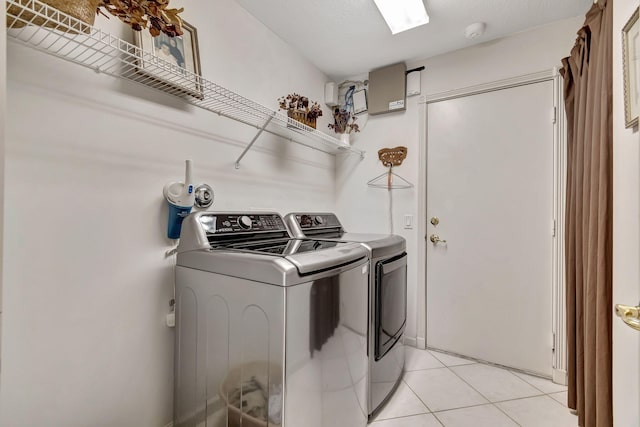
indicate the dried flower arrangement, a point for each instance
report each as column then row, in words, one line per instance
column 299, row 108
column 341, row 123
column 140, row 14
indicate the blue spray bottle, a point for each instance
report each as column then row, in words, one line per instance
column 180, row 196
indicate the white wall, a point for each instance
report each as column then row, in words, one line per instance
column 87, row 286
column 365, row 209
column 626, row 237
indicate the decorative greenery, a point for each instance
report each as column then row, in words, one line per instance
column 140, row 14
column 293, row 101
column 344, row 121
column 314, row 111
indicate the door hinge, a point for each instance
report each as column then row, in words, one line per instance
column 553, row 344
column 555, row 115
column 554, row 228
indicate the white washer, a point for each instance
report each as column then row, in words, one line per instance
column 387, row 302
column 259, row 312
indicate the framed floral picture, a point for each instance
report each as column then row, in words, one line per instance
column 171, row 63
column 631, row 66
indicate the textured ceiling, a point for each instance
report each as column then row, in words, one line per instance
column 347, row 37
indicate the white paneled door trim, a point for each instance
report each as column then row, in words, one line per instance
column 526, row 79
column 421, row 293
column 559, row 201
column 560, row 144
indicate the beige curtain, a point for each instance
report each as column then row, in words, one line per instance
column 588, row 96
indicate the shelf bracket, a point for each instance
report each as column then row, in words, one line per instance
column 253, row 141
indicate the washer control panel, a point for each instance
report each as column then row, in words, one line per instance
column 231, row 223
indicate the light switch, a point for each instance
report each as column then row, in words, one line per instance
column 408, row 221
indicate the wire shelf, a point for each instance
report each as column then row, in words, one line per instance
column 44, row 28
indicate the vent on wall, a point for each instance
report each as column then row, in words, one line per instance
column 387, row 89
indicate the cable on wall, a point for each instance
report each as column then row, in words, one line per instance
column 391, row 157
column 348, row 99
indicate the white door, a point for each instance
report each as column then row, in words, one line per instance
column 490, row 184
column 626, row 239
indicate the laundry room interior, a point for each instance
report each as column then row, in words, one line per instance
column 435, row 194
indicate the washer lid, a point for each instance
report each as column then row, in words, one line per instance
column 257, row 246
column 327, row 255
column 281, row 247
column 281, row 270
column 326, row 226
column 307, row 255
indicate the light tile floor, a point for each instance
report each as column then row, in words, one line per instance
column 442, row 390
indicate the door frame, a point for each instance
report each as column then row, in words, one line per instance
column 557, row 116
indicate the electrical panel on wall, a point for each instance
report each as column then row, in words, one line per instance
column 387, row 89
column 360, row 101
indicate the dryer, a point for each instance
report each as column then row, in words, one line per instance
column 270, row 330
column 387, row 298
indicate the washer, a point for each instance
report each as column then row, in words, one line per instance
column 276, row 323
column 388, row 305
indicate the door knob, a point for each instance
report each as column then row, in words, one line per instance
column 436, row 239
column 629, row 315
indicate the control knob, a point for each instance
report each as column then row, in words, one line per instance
column 244, row 222
column 318, row 220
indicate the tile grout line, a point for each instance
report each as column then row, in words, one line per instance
column 424, row 369
column 404, row 416
column 532, row 385
column 527, row 382
column 514, row 371
column 434, row 413
column 537, row 388
column 408, row 415
column 432, row 353
column 416, row 395
column 490, row 402
column 559, row 403
column 542, row 392
column 438, row 419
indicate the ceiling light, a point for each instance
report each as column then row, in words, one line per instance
column 402, row 15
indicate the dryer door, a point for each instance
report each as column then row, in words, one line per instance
column 391, row 303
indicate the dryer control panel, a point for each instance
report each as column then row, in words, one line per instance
column 310, row 224
column 317, row 221
column 231, row 223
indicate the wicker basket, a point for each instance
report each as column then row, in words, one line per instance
column 301, row 116
column 310, row 122
column 235, row 417
column 84, row 10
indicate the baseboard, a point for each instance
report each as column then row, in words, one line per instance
column 411, row 341
column 417, row 342
column 560, row 377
